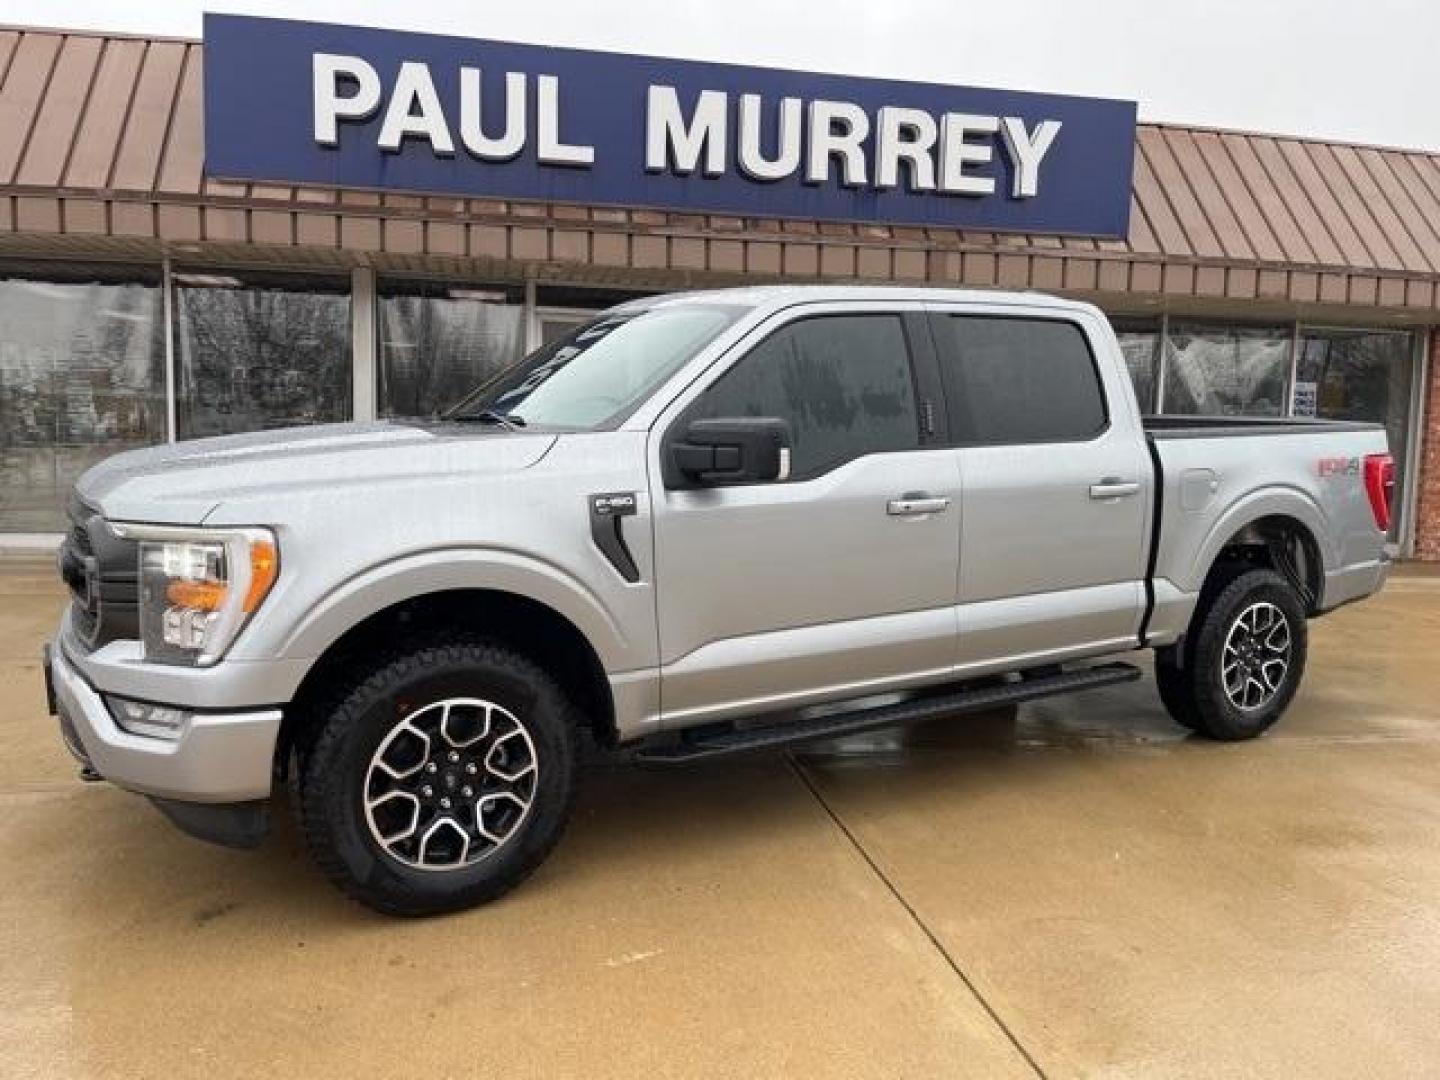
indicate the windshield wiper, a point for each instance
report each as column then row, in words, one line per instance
column 509, row 421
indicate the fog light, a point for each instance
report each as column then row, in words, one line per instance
column 142, row 718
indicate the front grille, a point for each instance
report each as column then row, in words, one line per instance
column 102, row 573
column 81, row 540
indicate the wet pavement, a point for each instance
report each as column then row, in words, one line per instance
column 1075, row 889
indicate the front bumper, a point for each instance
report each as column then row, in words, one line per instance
column 219, row 757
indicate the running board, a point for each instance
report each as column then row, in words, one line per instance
column 705, row 743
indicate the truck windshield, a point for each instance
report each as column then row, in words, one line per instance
column 599, row 372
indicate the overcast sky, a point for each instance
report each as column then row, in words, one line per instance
column 1360, row 70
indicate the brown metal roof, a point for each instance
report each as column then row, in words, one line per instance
column 101, row 138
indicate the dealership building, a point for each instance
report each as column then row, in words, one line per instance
column 148, row 295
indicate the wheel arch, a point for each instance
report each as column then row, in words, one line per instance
column 532, row 629
column 447, row 570
column 535, row 608
column 1278, row 528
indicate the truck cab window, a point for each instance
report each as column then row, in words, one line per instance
column 1010, row 380
column 843, row 382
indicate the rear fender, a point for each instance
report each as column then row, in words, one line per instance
column 1267, row 502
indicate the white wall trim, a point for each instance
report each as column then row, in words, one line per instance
column 364, row 343
column 26, row 545
column 1415, row 449
column 532, row 320
column 167, row 309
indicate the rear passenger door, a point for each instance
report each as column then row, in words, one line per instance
column 1056, row 487
column 838, row 579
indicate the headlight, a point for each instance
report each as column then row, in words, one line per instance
column 199, row 587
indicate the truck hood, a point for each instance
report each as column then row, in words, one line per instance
column 183, row 483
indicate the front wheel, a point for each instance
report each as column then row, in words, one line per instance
column 1243, row 659
column 441, row 780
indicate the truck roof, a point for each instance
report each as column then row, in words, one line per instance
column 776, row 296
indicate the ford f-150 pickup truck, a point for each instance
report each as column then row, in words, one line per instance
column 699, row 524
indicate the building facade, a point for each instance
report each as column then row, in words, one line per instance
column 142, row 300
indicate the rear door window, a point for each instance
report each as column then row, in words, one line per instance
column 842, row 382
column 1019, row 380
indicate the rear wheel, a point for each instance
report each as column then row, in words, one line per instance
column 1243, row 660
column 441, row 780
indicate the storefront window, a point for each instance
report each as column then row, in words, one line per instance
column 82, row 375
column 1140, row 345
column 1358, row 375
column 1226, row 370
column 438, row 342
column 260, row 351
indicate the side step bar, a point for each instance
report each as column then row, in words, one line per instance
column 705, row 743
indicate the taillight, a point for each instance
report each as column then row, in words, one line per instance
column 1380, row 486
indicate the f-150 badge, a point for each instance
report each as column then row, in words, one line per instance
column 606, row 529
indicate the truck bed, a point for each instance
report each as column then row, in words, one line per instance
column 1210, row 482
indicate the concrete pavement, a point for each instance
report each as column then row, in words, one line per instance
column 1075, row 889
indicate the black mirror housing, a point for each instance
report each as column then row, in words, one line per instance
column 738, row 450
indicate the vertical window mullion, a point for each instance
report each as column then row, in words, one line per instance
column 532, row 318
column 363, row 344
column 1294, row 369
column 172, row 427
column 1163, row 346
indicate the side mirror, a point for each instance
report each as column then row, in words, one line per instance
column 743, row 450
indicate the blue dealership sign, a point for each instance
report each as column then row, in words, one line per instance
column 348, row 106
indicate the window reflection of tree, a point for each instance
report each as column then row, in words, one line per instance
column 436, row 350
column 81, row 377
column 1234, row 371
column 257, row 358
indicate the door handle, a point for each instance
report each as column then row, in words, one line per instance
column 1112, row 487
column 915, row 504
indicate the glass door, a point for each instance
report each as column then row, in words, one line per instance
column 1359, row 375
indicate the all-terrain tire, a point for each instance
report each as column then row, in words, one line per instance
column 402, row 717
column 1243, row 658
column 1174, row 686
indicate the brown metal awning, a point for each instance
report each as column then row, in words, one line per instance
column 101, row 153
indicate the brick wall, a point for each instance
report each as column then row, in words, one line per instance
column 1427, row 518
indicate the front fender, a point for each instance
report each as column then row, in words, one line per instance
column 444, row 569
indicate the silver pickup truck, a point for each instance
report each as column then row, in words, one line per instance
column 699, row 524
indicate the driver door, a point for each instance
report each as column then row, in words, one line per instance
column 839, row 579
